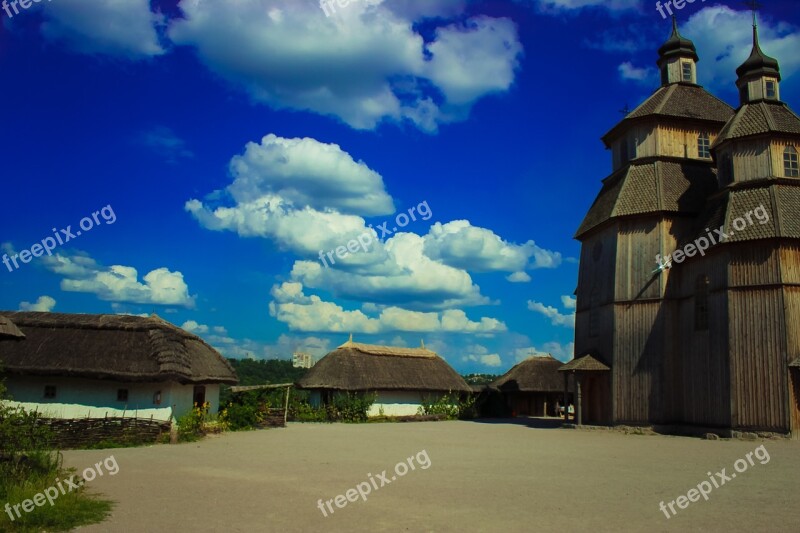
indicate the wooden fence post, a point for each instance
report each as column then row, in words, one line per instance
column 286, row 406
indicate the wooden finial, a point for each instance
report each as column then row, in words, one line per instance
column 351, row 339
column 422, row 342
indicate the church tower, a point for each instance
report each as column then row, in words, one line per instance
column 662, row 173
column 754, row 275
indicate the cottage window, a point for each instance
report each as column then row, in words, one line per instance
column 790, row 167
column 50, row 391
column 704, row 146
column 701, row 304
column 122, row 395
column 687, row 71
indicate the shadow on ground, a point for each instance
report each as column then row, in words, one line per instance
column 531, row 422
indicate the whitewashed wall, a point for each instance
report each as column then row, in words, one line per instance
column 81, row 398
column 396, row 403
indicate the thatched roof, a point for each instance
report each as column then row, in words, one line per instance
column 118, row 347
column 585, row 363
column 363, row 367
column 9, row 330
column 535, row 374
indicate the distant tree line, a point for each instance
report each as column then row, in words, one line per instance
column 262, row 372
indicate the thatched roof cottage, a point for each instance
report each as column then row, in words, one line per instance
column 401, row 377
column 533, row 387
column 75, row 366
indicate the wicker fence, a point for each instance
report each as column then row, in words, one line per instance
column 273, row 418
column 81, row 432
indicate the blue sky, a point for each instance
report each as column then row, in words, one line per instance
column 232, row 142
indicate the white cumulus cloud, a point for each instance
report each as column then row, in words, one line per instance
column 556, row 318
column 123, row 28
column 310, row 313
column 44, row 304
column 365, row 64
column 462, row 245
column 119, row 283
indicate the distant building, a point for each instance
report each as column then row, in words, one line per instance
column 78, row 366
column 401, row 377
column 533, row 387
column 302, row 360
column 711, row 338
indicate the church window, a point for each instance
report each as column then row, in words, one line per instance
column 701, row 304
column 790, row 167
column 687, row 71
column 623, row 151
column 771, row 93
column 704, row 146
column 726, row 170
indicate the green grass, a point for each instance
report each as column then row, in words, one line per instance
column 70, row 510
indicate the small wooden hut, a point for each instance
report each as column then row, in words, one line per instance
column 401, row 377
column 532, row 387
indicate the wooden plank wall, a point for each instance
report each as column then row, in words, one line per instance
column 758, row 362
column 752, row 161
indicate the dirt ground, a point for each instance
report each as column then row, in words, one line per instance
column 482, row 477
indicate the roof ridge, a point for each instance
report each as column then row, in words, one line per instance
column 768, row 117
column 659, row 184
column 671, row 89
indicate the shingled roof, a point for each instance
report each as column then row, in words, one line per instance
column 679, row 186
column 119, row 347
column 535, row 374
column 366, row 367
column 680, row 101
column 758, row 118
column 736, row 202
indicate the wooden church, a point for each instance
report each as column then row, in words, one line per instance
column 708, row 338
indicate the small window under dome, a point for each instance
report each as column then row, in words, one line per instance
column 687, row 71
column 771, row 92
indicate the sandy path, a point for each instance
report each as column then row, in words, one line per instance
column 482, row 477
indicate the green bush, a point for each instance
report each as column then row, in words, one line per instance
column 350, row 407
column 449, row 405
column 28, row 466
column 237, row 417
column 191, row 425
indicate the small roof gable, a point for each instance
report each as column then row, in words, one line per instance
column 585, row 363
